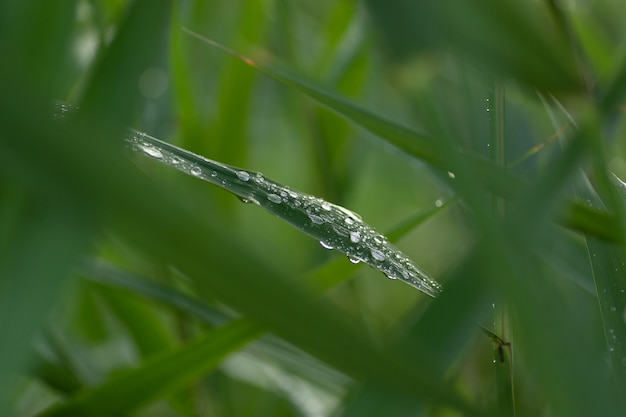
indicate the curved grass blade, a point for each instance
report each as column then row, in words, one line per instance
column 422, row 146
column 162, row 374
column 335, row 227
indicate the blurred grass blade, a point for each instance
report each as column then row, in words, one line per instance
column 333, row 226
column 418, row 144
column 161, row 375
column 41, row 238
column 422, row 146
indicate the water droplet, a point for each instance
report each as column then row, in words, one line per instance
column 348, row 220
column 150, row 151
column 378, row 255
column 274, row 198
column 451, row 175
column 326, row 206
column 243, row 175
column 213, row 174
column 354, row 260
column 316, row 219
column 613, row 308
column 355, row 237
column 390, row 276
column 176, row 160
column 438, row 203
column 196, row 171
column 325, row 245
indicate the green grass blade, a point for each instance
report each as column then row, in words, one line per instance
column 161, row 375
column 422, row 146
column 41, row 239
column 415, row 143
column 333, row 226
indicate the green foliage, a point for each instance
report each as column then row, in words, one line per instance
column 485, row 137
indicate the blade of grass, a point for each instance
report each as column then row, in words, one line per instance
column 41, row 239
column 497, row 143
column 422, row 146
column 161, row 375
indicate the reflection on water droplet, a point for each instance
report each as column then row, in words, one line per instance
column 355, row 237
column 325, row 245
column 316, row 219
column 196, row 171
column 326, row 206
column 390, row 276
column 348, row 220
column 451, row 175
column 353, row 260
column 274, row 198
column 438, row 203
column 378, row 255
column 150, row 151
column 213, row 174
column 243, row 175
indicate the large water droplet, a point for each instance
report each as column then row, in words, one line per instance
column 150, row 151
column 354, row 260
column 243, row 175
column 196, row 171
column 325, row 245
column 274, row 198
column 378, row 255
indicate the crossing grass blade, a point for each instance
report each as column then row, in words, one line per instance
column 423, row 146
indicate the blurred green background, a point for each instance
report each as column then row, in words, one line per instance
column 128, row 288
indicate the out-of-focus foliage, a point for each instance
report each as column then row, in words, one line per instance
column 129, row 288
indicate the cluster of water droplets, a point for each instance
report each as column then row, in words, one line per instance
column 335, row 227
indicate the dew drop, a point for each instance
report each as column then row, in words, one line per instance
column 213, row 174
column 243, row 175
column 155, row 153
column 354, row 260
column 355, row 237
column 438, row 203
column 613, row 308
column 325, row 245
column 274, row 198
column 348, row 220
column 196, row 171
column 316, row 219
column 378, row 255
column 326, row 206
column 390, row 276
column 451, row 175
